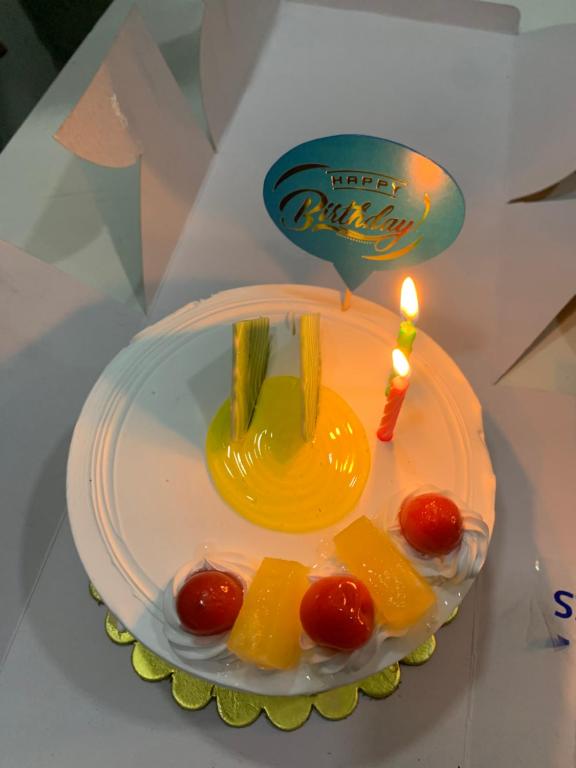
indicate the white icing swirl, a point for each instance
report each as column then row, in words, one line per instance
column 196, row 647
column 464, row 562
column 326, row 661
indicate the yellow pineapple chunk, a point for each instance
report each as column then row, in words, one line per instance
column 267, row 630
column 401, row 596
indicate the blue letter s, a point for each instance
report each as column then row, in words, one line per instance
column 567, row 609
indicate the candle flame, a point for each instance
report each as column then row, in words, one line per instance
column 400, row 363
column 409, row 300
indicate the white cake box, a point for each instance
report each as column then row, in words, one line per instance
column 451, row 80
column 456, row 82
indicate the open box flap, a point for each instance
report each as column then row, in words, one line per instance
column 134, row 110
column 543, row 113
column 233, row 34
column 493, row 17
column 538, row 270
column 550, row 361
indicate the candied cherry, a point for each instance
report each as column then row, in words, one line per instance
column 431, row 523
column 338, row 612
column 209, row 601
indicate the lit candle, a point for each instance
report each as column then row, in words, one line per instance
column 398, row 389
column 409, row 308
column 407, row 333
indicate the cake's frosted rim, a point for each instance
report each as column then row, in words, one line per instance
column 148, row 344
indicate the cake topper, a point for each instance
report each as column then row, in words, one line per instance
column 363, row 203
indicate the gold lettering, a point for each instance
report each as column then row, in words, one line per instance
column 356, row 218
column 404, row 226
column 326, row 212
column 334, row 217
column 374, row 181
column 315, row 212
column 373, row 222
column 308, row 209
column 345, row 213
column 396, row 185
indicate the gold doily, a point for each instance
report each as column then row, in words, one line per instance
column 238, row 708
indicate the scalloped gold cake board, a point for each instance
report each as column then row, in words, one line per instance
column 238, row 708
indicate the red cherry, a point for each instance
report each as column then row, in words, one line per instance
column 431, row 523
column 338, row 612
column 209, row 601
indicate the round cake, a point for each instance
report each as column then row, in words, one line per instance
column 287, row 563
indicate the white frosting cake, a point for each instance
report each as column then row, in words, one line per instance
column 145, row 513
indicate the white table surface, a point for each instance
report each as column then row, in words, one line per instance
column 68, row 696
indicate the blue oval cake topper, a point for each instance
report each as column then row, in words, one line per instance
column 363, row 203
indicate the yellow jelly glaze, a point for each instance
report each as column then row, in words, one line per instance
column 275, row 479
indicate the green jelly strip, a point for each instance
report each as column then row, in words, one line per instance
column 310, row 373
column 251, row 349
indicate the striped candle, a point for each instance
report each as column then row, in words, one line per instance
column 396, row 395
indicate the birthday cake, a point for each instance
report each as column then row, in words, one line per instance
column 253, row 506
